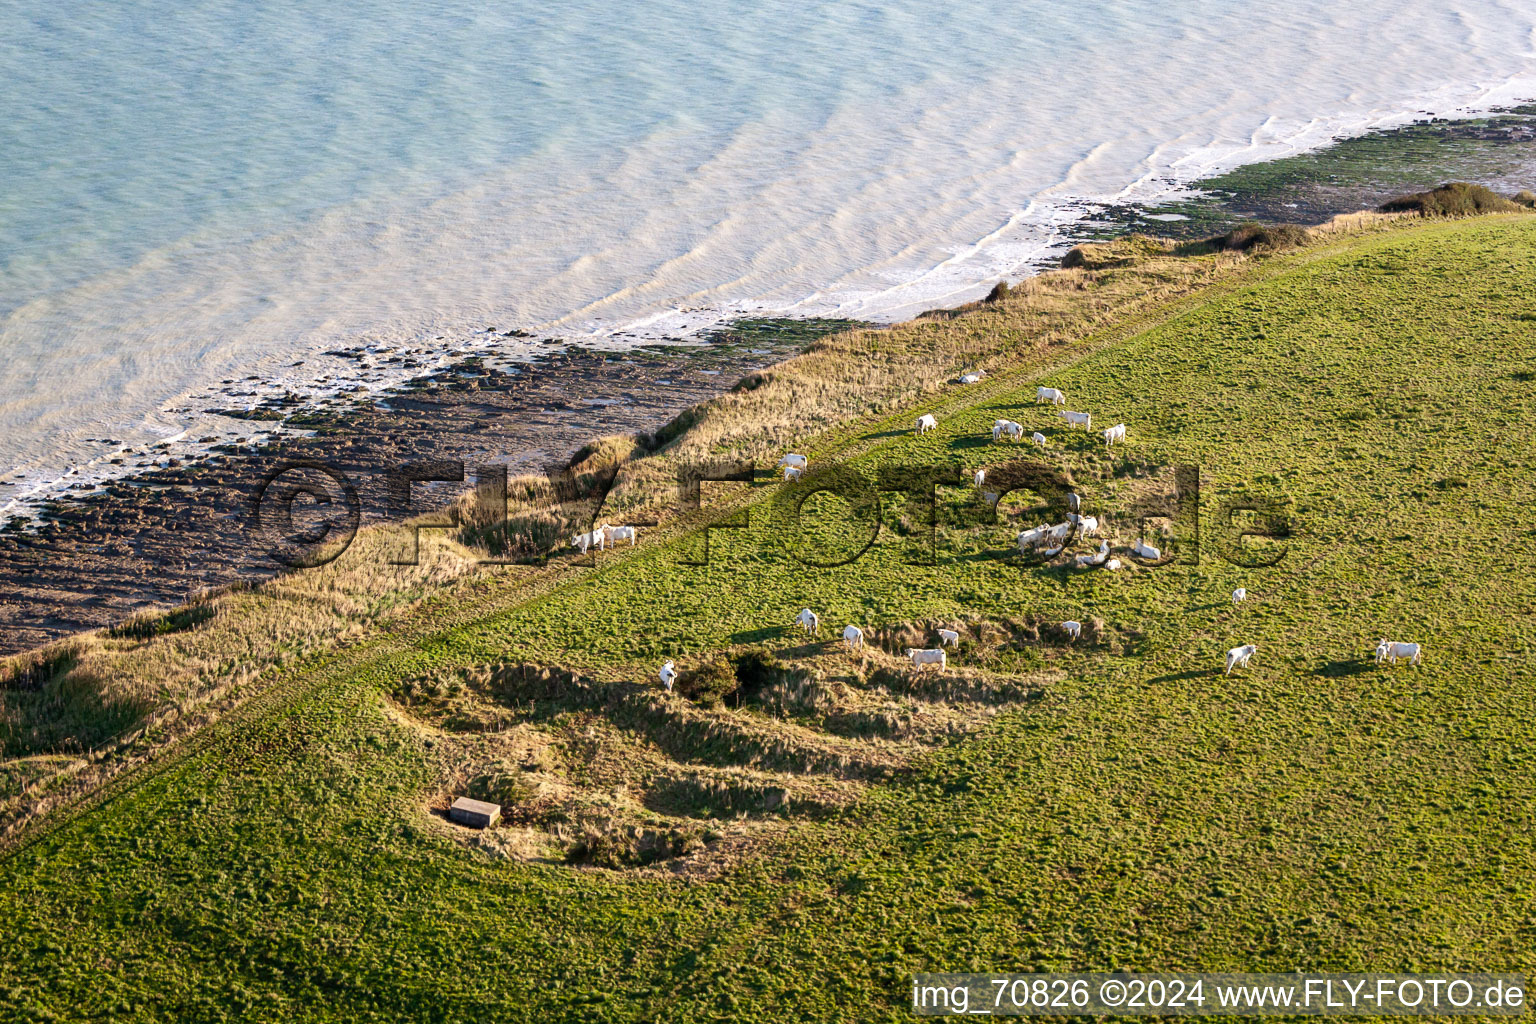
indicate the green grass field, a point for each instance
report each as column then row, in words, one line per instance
column 1124, row 805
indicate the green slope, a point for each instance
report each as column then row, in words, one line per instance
column 1313, row 812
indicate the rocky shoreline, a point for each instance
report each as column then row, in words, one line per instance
column 178, row 526
column 1357, row 173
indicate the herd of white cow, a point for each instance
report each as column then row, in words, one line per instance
column 1047, row 540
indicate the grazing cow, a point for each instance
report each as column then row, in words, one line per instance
column 1239, row 595
column 926, row 422
column 1073, row 501
column 1072, row 628
column 614, row 534
column 793, row 460
column 1144, row 550
column 1057, row 534
column 1077, row 419
column 990, row 497
column 1038, row 438
column 583, row 541
column 949, row 638
column 1033, row 538
column 932, row 656
column 1009, row 427
column 1114, row 433
column 853, row 636
column 1051, row 395
column 1092, row 561
column 980, row 477
column 971, row 378
column 1238, row 657
column 668, row 676
column 793, row 472
column 808, row 621
column 1392, row 650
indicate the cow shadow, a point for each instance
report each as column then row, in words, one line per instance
column 888, row 433
column 805, row 650
column 971, row 441
column 1345, row 669
column 757, row 636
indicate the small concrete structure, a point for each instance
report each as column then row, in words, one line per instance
column 474, row 813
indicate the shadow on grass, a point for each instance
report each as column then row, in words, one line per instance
column 805, row 650
column 1344, row 669
column 757, row 636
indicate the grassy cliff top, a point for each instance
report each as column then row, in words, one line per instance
column 808, row 827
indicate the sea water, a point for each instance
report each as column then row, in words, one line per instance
column 208, row 191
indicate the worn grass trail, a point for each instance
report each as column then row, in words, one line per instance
column 1311, row 812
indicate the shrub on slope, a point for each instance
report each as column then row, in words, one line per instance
column 1453, row 199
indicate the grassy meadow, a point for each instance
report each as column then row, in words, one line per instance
column 805, row 827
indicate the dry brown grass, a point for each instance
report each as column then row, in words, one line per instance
column 616, row 773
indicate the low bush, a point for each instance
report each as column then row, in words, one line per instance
column 1453, row 199
column 709, row 684
column 1253, row 236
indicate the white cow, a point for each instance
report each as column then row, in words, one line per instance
column 668, row 676
column 980, row 477
column 1087, row 525
column 1033, row 538
column 971, row 378
column 583, row 541
column 1144, row 550
column 853, row 636
column 1239, row 595
column 1077, row 419
column 1113, row 565
column 949, row 638
column 932, row 656
column 990, row 497
column 793, row 472
column 1038, row 438
column 925, row 423
column 793, row 460
column 1092, row 561
column 1114, row 433
column 1392, row 650
column 808, row 621
column 1073, row 628
column 614, row 534
column 1009, row 427
column 1051, row 395
column 1238, row 657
